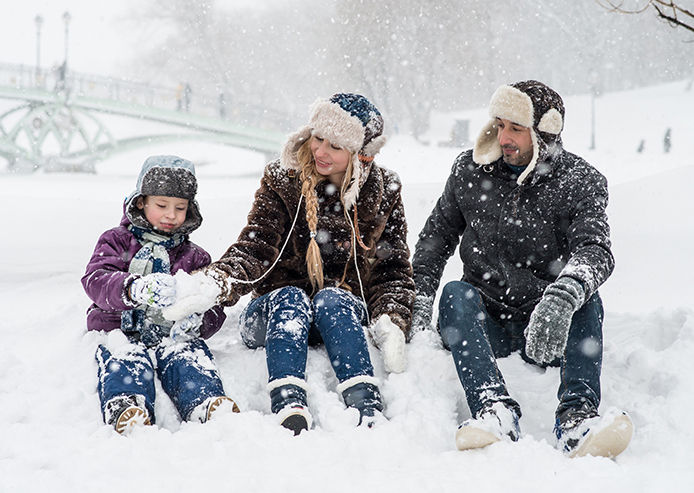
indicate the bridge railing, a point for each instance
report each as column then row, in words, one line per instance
column 58, row 80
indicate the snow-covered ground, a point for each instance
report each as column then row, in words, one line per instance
column 52, row 437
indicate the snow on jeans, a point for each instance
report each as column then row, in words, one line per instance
column 186, row 370
column 476, row 340
column 286, row 321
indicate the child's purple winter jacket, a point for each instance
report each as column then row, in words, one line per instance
column 107, row 276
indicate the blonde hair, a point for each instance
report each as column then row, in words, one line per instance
column 309, row 178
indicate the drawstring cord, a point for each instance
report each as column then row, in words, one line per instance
column 355, row 239
column 296, row 216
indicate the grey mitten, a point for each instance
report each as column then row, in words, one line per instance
column 421, row 312
column 186, row 328
column 157, row 290
column 548, row 329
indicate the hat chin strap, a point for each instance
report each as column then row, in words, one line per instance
column 352, row 193
column 536, row 154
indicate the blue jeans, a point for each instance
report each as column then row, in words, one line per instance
column 286, row 321
column 186, row 370
column 476, row 340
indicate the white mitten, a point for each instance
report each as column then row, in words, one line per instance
column 391, row 341
column 157, row 290
column 195, row 293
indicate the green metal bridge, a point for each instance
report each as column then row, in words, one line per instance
column 58, row 125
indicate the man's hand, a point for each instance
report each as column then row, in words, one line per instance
column 548, row 329
column 421, row 313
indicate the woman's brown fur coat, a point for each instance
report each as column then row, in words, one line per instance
column 385, row 269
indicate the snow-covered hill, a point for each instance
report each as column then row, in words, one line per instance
column 52, row 438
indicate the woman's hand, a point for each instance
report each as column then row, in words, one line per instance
column 391, row 341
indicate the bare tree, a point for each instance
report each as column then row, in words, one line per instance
column 672, row 12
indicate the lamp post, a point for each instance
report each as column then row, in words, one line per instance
column 38, row 21
column 66, row 19
column 593, row 93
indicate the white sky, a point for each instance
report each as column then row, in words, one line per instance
column 99, row 36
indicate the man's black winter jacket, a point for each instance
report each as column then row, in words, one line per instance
column 517, row 239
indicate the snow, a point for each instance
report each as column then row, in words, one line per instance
column 195, row 293
column 53, row 438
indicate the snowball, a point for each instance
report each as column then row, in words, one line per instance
column 195, row 293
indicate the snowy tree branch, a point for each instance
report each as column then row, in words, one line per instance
column 668, row 10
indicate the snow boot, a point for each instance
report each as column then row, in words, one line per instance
column 124, row 412
column 288, row 402
column 363, row 395
column 216, row 402
column 204, row 412
column 582, row 432
column 494, row 423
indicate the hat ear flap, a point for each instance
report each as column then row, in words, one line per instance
column 288, row 157
column 487, row 148
column 373, row 147
column 551, row 122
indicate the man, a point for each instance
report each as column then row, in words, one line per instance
column 534, row 241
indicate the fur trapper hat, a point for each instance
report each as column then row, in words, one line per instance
column 528, row 103
column 349, row 121
column 168, row 176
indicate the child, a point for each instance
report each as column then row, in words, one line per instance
column 129, row 278
column 324, row 251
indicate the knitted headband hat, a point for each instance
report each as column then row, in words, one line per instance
column 168, row 176
column 528, row 103
column 349, row 121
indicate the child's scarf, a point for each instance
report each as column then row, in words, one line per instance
column 152, row 257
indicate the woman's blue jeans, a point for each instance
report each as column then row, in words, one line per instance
column 286, row 321
column 476, row 340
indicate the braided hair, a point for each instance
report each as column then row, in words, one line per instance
column 309, row 178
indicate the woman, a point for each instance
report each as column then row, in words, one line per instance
column 324, row 252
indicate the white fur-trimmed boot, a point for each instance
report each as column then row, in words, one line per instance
column 288, row 402
column 494, row 423
column 361, row 392
column 582, row 432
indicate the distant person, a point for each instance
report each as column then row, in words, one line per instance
column 535, row 248
column 642, row 146
column 222, row 106
column 179, row 97
column 129, row 279
column 187, row 96
column 60, row 77
column 324, row 253
column 667, row 140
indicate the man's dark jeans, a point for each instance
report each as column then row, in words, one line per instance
column 476, row 340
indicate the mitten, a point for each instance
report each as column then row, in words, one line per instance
column 186, row 328
column 391, row 341
column 548, row 329
column 157, row 290
column 421, row 312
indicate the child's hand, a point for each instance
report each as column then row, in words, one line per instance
column 157, row 290
column 186, row 328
